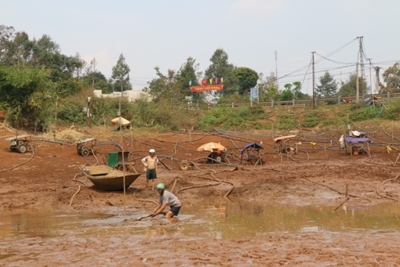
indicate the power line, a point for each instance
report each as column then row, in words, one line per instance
column 334, row 61
column 329, row 54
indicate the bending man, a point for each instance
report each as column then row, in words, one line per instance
column 166, row 198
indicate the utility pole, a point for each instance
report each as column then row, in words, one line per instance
column 363, row 90
column 88, row 112
column 357, row 85
column 276, row 65
column 120, row 99
column 377, row 79
column 370, row 76
column 313, row 80
column 361, row 60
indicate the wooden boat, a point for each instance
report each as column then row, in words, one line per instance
column 109, row 179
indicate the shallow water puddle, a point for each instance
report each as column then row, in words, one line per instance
column 219, row 222
column 247, row 221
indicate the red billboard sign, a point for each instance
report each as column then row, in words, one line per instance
column 202, row 88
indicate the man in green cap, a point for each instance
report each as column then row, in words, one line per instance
column 166, row 198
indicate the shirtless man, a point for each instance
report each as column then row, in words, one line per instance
column 150, row 164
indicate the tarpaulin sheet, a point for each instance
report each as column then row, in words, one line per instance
column 252, row 145
column 355, row 140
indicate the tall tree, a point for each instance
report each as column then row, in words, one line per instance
column 220, row 68
column 46, row 54
column 15, row 47
column 26, row 92
column 268, row 87
column 120, row 74
column 327, row 87
column 296, row 89
column 188, row 75
column 247, row 79
column 164, row 87
column 391, row 77
column 349, row 88
column 287, row 94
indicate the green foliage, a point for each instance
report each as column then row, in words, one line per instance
column 103, row 110
column 120, row 74
column 15, row 46
column 268, row 88
column 327, row 87
column 231, row 118
column 392, row 78
column 233, row 98
column 286, row 121
column 26, row 92
column 391, row 111
column 221, row 68
column 188, row 75
column 247, row 79
column 165, row 87
column 46, row 53
column 350, row 87
column 33, row 76
column 311, row 119
column 365, row 113
column 72, row 111
column 215, row 117
column 286, row 94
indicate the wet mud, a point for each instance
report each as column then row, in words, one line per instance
column 329, row 209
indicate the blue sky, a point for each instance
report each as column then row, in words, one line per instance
column 165, row 33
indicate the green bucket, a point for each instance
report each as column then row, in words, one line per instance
column 113, row 159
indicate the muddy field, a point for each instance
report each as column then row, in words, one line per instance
column 44, row 181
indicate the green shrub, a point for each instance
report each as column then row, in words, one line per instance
column 365, row 113
column 71, row 111
column 392, row 111
column 311, row 119
column 286, row 122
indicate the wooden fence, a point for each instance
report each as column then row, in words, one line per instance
column 309, row 102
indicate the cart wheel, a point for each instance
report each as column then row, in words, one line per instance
column 85, row 152
column 184, row 165
column 22, row 148
column 218, row 159
column 120, row 168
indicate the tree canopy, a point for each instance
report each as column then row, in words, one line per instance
column 349, row 88
column 247, row 79
column 392, row 78
column 327, row 87
column 120, row 74
column 222, row 69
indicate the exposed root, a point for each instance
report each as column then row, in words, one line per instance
column 337, row 191
column 72, row 198
column 16, row 166
column 341, row 204
column 384, row 182
column 173, row 186
column 144, row 200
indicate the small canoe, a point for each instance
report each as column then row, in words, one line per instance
column 106, row 178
